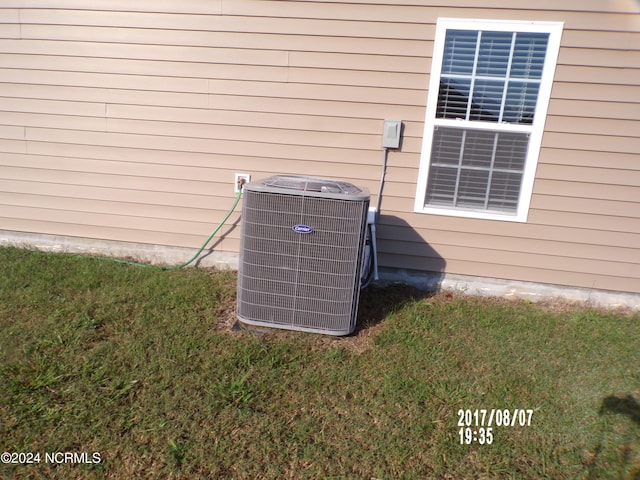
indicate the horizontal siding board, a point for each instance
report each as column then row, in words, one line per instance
column 46, row 107
column 388, row 13
column 563, row 233
column 211, row 7
column 482, row 269
column 104, row 80
column 171, row 163
column 12, row 31
column 223, row 39
column 295, row 26
column 599, row 143
column 439, row 240
column 350, row 61
column 546, row 5
column 165, row 6
column 306, row 123
column 237, row 56
column 121, row 221
column 9, row 15
column 627, row 59
column 113, row 168
column 110, row 207
column 358, row 93
column 595, row 74
column 585, row 205
column 144, row 67
column 165, row 129
column 586, row 190
column 584, row 220
column 115, row 182
column 546, row 261
column 307, row 91
column 250, row 133
column 603, row 175
column 355, row 77
column 103, row 95
column 224, row 164
column 357, row 133
column 624, row 229
column 380, row 13
column 419, row 264
column 318, row 107
column 299, row 43
column 569, row 156
column 589, row 108
column 110, row 17
column 321, row 24
column 201, row 145
column 593, row 126
column 71, row 122
column 126, row 155
column 118, row 234
column 588, row 39
column 84, row 192
column 157, row 194
column 598, row 92
column 215, row 6
column 12, row 146
column 382, row 27
column 12, row 132
column 245, row 118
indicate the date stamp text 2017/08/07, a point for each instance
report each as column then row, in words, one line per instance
column 477, row 425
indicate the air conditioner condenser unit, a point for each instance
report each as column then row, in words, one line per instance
column 301, row 252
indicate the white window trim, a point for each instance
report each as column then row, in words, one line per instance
column 554, row 29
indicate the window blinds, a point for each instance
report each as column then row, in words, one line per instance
column 489, row 77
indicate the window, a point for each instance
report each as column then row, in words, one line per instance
column 488, row 96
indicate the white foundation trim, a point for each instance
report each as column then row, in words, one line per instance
column 167, row 255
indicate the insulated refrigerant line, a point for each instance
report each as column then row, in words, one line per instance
column 371, row 256
column 372, row 226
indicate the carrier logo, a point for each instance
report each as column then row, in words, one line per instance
column 302, row 229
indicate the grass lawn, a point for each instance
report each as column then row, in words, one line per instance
column 142, row 368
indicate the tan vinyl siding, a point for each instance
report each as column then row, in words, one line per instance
column 127, row 121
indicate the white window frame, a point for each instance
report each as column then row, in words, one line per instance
column 535, row 130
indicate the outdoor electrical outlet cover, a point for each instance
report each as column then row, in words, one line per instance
column 238, row 177
column 392, row 133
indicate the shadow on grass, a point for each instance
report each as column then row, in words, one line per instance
column 628, row 406
column 376, row 303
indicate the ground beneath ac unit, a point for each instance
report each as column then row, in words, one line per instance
column 362, row 339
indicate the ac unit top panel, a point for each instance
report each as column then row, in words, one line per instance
column 309, row 186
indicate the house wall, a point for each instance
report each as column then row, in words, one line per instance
column 127, row 120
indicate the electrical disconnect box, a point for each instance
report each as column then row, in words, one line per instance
column 392, row 133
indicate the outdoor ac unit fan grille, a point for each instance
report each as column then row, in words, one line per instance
column 300, row 280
